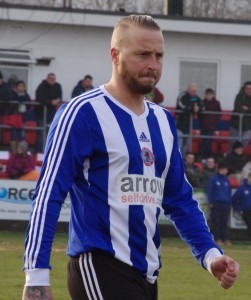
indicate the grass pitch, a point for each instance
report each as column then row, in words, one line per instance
column 181, row 277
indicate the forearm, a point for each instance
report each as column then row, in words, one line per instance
column 37, row 285
column 37, row 293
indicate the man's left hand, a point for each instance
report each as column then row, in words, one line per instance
column 226, row 270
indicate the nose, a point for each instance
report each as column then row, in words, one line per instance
column 153, row 62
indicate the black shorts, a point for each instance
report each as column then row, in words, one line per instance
column 99, row 276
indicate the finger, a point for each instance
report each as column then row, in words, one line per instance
column 225, row 286
column 233, row 269
column 231, row 266
column 228, row 280
column 231, row 274
column 226, row 283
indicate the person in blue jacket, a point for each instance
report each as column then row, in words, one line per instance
column 219, row 198
column 241, row 201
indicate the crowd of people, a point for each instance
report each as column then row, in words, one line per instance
column 204, row 114
column 226, row 179
column 202, row 169
column 17, row 106
column 237, row 162
column 226, row 183
column 191, row 111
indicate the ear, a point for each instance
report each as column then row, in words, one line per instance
column 115, row 55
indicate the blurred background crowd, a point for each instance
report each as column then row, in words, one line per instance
column 215, row 144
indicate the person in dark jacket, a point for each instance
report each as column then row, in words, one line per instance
column 209, row 169
column 20, row 95
column 219, row 199
column 83, row 85
column 190, row 104
column 5, row 95
column 241, row 201
column 208, row 121
column 236, row 159
column 242, row 105
column 193, row 173
column 49, row 95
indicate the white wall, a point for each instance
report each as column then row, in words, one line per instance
column 77, row 51
column 80, row 50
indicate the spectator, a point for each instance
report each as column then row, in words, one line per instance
column 236, row 160
column 5, row 94
column 209, row 168
column 241, row 200
column 208, row 121
column 246, row 170
column 4, row 97
column 21, row 165
column 191, row 105
column 193, row 173
column 12, row 79
column 242, row 105
column 155, row 96
column 219, row 199
column 49, row 95
column 83, row 85
column 19, row 95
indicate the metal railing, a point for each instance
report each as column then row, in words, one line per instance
column 192, row 136
column 32, row 104
column 189, row 135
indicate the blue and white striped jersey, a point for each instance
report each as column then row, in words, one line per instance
column 121, row 171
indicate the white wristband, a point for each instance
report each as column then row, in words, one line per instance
column 37, row 277
column 210, row 255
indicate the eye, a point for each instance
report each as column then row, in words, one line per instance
column 144, row 54
column 159, row 55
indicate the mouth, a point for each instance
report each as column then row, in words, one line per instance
column 148, row 76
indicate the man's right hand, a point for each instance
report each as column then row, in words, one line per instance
column 37, row 293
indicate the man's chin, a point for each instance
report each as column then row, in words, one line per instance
column 143, row 90
column 143, row 87
column 148, row 88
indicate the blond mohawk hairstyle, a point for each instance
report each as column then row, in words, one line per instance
column 143, row 21
column 139, row 20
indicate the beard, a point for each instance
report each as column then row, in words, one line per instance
column 135, row 84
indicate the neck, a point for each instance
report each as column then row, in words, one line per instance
column 130, row 99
